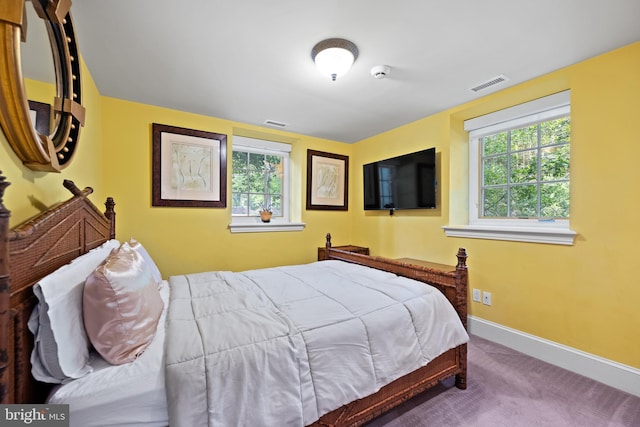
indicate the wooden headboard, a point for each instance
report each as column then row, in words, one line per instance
column 29, row 252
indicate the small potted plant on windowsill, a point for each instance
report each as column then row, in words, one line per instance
column 265, row 213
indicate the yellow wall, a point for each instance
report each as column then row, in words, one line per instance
column 584, row 296
column 114, row 158
column 185, row 240
column 31, row 191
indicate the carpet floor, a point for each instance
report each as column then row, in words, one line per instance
column 506, row 388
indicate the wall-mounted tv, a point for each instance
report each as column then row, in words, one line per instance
column 403, row 182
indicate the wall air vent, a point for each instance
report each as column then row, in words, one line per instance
column 492, row 82
column 274, row 123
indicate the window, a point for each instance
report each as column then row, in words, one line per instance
column 519, row 173
column 257, row 180
column 525, row 172
column 260, row 180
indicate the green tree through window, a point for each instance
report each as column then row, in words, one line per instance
column 257, row 183
column 525, row 171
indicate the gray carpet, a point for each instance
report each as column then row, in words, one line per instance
column 507, row 388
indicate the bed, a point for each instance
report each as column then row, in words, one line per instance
column 75, row 227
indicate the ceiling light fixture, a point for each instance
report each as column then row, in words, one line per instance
column 334, row 57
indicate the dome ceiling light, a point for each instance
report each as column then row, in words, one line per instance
column 334, row 57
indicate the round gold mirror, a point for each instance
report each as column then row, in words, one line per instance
column 40, row 150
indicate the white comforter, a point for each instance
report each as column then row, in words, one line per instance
column 283, row 346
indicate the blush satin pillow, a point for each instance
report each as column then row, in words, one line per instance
column 122, row 306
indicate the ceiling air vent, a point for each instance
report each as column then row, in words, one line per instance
column 492, row 82
column 274, row 123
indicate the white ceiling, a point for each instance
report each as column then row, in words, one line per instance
column 249, row 60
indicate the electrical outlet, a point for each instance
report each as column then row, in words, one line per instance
column 476, row 295
column 486, row 298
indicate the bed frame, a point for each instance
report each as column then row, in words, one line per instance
column 69, row 229
column 453, row 284
column 29, row 252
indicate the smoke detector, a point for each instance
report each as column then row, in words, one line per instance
column 380, row 71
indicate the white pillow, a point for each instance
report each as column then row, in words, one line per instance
column 137, row 246
column 61, row 349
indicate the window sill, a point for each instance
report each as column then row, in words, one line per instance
column 261, row 227
column 554, row 236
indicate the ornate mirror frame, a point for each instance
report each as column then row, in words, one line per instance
column 38, row 151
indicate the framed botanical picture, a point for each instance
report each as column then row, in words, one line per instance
column 327, row 181
column 189, row 167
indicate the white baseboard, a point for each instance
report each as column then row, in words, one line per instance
column 614, row 374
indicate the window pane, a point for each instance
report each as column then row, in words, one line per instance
column 239, row 182
column 494, row 202
column 524, row 201
column 555, row 131
column 239, row 204
column 274, row 172
column 554, row 163
column 524, row 138
column 495, row 170
column 239, row 161
column 274, row 185
column 495, row 144
column 276, row 205
column 256, row 173
column 554, row 200
column 256, row 204
column 524, row 166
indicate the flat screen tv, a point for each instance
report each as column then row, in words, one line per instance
column 403, row 182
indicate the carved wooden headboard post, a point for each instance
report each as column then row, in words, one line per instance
column 328, row 241
column 110, row 213
column 5, row 316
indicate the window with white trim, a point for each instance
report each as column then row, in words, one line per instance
column 524, row 172
column 519, row 174
column 260, row 180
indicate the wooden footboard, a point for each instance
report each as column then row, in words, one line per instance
column 453, row 284
column 388, row 397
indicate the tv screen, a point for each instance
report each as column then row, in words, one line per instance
column 403, row 182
